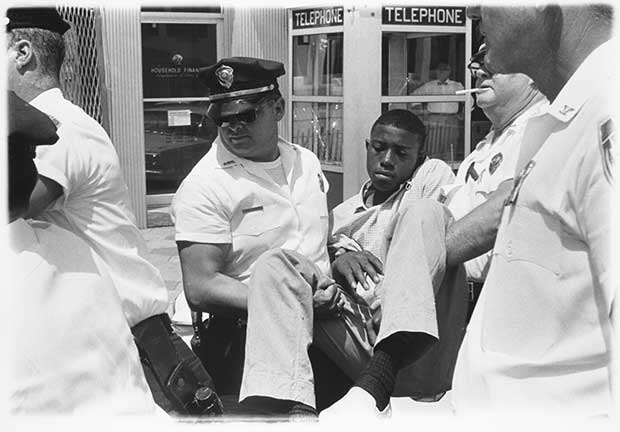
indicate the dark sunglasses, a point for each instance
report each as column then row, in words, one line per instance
column 246, row 117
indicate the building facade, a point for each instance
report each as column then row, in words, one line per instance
column 135, row 70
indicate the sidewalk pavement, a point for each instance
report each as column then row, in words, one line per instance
column 163, row 255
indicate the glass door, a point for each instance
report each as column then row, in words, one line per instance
column 176, row 130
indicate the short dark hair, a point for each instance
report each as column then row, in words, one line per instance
column 49, row 44
column 403, row 119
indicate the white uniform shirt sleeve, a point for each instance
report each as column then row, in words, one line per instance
column 593, row 197
column 61, row 163
column 198, row 214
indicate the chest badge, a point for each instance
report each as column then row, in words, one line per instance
column 321, row 182
column 495, row 162
column 607, row 133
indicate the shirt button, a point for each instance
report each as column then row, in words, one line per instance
column 509, row 247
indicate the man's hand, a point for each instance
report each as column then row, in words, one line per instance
column 352, row 267
column 328, row 302
column 373, row 324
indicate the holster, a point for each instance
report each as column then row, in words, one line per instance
column 172, row 370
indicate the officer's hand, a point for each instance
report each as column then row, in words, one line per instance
column 372, row 326
column 352, row 267
column 328, row 302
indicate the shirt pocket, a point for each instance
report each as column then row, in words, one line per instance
column 255, row 220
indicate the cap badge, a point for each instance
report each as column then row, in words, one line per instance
column 225, row 76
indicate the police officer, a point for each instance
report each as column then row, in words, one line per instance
column 71, row 351
column 80, row 187
column 540, row 336
column 509, row 101
column 252, row 193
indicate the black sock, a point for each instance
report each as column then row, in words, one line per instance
column 379, row 376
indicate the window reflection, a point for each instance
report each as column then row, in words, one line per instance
column 411, row 62
column 176, row 136
column 317, row 65
column 318, row 127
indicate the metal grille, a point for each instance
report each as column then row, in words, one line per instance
column 79, row 75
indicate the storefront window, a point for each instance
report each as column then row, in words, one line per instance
column 317, row 65
column 317, row 72
column 426, row 70
column 422, row 64
column 177, row 133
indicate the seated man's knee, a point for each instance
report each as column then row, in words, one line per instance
column 423, row 210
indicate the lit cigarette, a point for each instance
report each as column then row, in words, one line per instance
column 473, row 90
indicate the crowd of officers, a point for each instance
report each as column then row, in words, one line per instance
column 492, row 287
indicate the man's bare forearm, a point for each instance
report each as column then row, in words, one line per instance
column 475, row 233
column 220, row 295
column 206, row 287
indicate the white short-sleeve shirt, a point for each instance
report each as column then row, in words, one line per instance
column 95, row 204
column 71, row 350
column 492, row 162
column 357, row 227
column 541, row 336
column 226, row 200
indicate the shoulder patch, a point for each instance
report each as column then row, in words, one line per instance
column 606, row 136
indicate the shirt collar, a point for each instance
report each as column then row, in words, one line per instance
column 367, row 188
column 46, row 98
column 227, row 159
column 595, row 72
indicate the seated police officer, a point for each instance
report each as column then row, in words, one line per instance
column 254, row 192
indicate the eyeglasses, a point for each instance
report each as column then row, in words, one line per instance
column 246, row 117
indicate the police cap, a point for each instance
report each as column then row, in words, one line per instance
column 46, row 18
column 236, row 84
column 28, row 128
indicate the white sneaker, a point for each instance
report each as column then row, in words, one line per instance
column 358, row 404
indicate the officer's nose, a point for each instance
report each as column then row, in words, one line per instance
column 234, row 124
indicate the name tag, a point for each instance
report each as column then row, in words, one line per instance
column 252, row 209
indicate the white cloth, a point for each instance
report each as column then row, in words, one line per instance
column 358, row 227
column 226, row 200
column 540, row 336
column 71, row 350
column 493, row 163
column 95, row 204
column 435, row 88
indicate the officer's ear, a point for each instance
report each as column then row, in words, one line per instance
column 278, row 107
column 24, row 53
